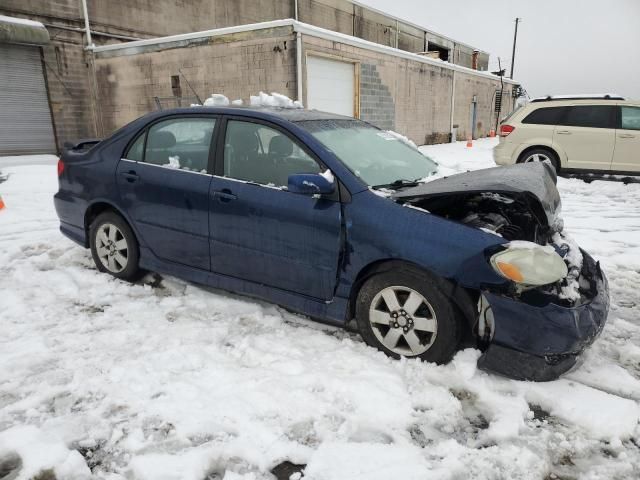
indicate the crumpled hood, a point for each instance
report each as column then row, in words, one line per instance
column 537, row 179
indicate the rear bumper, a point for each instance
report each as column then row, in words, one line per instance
column 503, row 153
column 71, row 214
column 541, row 342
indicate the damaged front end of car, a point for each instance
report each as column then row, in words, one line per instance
column 555, row 298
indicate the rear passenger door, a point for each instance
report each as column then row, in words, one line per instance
column 626, row 157
column 164, row 183
column 260, row 231
column 587, row 136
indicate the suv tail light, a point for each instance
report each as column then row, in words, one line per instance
column 60, row 166
column 506, row 130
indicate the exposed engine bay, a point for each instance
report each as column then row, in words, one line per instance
column 511, row 217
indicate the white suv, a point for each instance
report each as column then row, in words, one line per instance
column 573, row 133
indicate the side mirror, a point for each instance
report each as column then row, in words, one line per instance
column 310, row 184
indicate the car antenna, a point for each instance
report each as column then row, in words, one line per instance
column 189, row 85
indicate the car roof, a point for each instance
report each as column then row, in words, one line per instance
column 580, row 101
column 265, row 113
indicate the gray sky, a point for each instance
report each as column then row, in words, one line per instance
column 564, row 46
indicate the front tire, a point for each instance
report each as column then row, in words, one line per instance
column 404, row 314
column 541, row 155
column 114, row 246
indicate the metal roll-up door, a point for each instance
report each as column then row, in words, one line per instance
column 331, row 85
column 25, row 117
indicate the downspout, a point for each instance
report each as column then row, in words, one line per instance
column 299, row 65
column 93, row 82
column 87, row 29
column 452, row 109
column 295, row 10
column 397, row 32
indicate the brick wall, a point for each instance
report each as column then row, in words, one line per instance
column 234, row 65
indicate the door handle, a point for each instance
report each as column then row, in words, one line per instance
column 131, row 176
column 626, row 135
column 224, row 195
column 563, row 132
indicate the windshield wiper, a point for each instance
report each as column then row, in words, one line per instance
column 401, row 182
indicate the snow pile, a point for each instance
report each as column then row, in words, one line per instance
column 273, row 100
column 216, row 100
column 219, row 100
column 20, row 21
column 163, row 379
column 402, row 138
column 328, row 175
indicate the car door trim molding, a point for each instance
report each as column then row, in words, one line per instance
column 166, row 168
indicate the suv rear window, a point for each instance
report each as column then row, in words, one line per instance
column 546, row 116
column 592, row 116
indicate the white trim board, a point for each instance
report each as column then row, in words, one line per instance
column 306, row 29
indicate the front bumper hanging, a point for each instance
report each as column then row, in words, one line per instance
column 540, row 342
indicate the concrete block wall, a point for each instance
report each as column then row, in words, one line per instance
column 336, row 15
column 68, row 75
column 156, row 18
column 468, row 86
column 376, row 101
column 234, row 65
column 414, row 98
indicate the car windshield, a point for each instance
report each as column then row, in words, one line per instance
column 379, row 158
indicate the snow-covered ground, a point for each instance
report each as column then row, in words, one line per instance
column 170, row 380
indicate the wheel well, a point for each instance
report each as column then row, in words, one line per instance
column 464, row 300
column 540, row 147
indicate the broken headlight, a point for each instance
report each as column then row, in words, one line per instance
column 528, row 263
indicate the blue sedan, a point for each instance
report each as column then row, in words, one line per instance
column 336, row 219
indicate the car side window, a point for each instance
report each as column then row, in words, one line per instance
column 257, row 153
column 136, row 150
column 630, row 118
column 182, row 143
column 545, row 116
column 593, row 116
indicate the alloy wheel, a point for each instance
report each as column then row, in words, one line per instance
column 403, row 321
column 112, row 248
column 537, row 157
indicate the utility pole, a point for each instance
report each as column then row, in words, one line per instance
column 513, row 55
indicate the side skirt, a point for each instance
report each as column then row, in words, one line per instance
column 333, row 312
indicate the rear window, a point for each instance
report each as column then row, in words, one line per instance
column 546, row 116
column 591, row 116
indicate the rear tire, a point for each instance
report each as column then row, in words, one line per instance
column 404, row 314
column 114, row 246
column 540, row 155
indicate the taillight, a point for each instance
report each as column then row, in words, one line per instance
column 60, row 166
column 506, row 130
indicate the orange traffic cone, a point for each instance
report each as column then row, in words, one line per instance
column 2, row 205
column 492, row 133
column 469, row 142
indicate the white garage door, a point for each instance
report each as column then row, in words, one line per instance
column 25, row 118
column 331, row 85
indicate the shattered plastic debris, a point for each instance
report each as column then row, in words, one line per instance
column 573, row 257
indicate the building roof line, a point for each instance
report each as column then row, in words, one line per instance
column 414, row 25
column 303, row 28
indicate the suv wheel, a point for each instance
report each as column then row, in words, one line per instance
column 540, row 155
column 404, row 314
column 114, row 247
